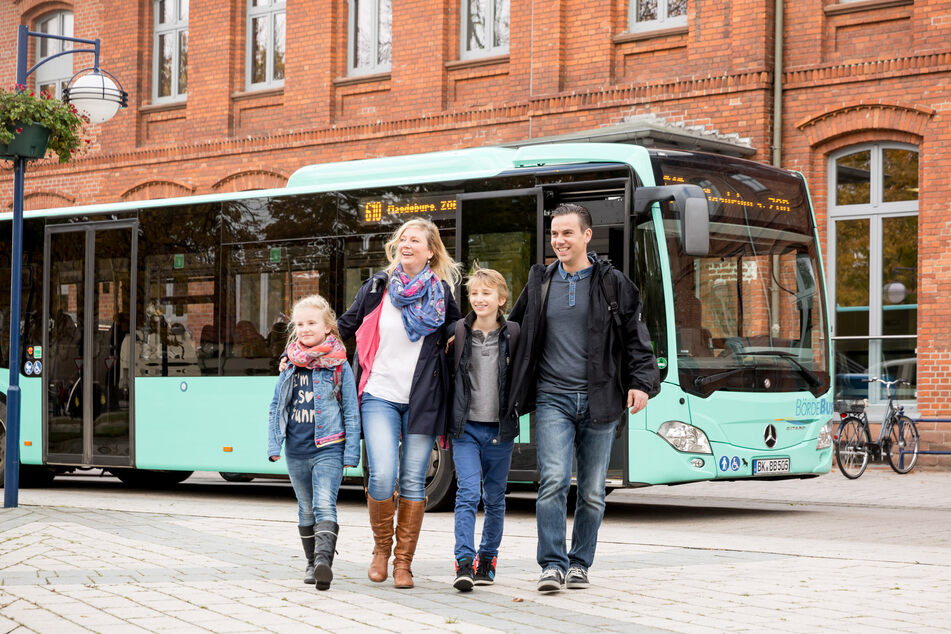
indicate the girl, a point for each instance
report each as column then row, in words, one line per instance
column 314, row 415
column 483, row 436
column 399, row 318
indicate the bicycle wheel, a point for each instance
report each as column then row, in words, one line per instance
column 851, row 447
column 902, row 450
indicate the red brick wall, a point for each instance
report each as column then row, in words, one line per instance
column 874, row 70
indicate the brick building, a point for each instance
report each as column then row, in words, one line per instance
column 229, row 95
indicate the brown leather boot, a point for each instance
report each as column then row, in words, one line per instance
column 381, row 522
column 409, row 519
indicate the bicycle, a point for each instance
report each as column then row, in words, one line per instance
column 897, row 439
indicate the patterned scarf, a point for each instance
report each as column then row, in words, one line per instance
column 421, row 301
column 328, row 354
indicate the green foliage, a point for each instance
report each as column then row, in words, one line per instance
column 20, row 106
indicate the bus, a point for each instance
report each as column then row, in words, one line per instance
column 151, row 330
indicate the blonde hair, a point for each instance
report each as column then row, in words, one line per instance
column 492, row 279
column 319, row 304
column 441, row 263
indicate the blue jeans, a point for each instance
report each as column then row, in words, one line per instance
column 384, row 424
column 562, row 428
column 316, row 482
column 482, row 470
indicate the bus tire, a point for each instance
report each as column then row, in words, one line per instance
column 229, row 476
column 440, row 480
column 150, row 479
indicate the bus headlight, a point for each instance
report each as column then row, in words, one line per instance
column 825, row 435
column 684, row 437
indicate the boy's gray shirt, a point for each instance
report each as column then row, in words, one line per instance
column 484, row 375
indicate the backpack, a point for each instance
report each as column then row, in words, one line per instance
column 609, row 290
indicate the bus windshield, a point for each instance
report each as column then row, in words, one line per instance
column 750, row 315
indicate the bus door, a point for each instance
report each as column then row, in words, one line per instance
column 502, row 230
column 89, row 343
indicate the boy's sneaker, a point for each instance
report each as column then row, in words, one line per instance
column 485, row 570
column 464, row 576
column 551, row 580
column 576, row 579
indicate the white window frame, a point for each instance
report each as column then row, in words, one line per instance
column 173, row 29
column 268, row 9
column 59, row 71
column 875, row 211
column 662, row 21
column 375, row 67
column 489, row 51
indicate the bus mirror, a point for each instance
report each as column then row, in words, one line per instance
column 695, row 227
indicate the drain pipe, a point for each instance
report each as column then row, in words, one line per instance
column 777, row 146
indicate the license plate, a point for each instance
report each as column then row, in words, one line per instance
column 770, row 466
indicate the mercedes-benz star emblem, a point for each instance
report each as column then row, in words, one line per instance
column 770, row 435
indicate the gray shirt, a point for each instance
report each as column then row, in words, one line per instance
column 484, row 376
column 564, row 363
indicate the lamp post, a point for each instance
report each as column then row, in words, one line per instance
column 98, row 97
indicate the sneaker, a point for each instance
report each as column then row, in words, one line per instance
column 576, row 579
column 485, row 570
column 464, row 576
column 551, row 580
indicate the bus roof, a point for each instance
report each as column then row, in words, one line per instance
column 410, row 169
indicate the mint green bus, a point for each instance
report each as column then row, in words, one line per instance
column 151, row 330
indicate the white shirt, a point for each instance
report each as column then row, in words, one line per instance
column 391, row 376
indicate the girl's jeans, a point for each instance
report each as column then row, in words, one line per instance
column 384, row 424
column 482, row 470
column 316, row 482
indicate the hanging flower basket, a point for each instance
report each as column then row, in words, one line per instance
column 30, row 142
column 31, row 124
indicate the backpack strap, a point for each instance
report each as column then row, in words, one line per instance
column 459, row 343
column 610, row 290
column 610, row 295
column 338, row 372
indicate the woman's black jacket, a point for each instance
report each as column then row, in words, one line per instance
column 430, row 387
column 607, row 384
column 462, row 384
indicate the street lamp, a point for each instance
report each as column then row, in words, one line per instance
column 98, row 97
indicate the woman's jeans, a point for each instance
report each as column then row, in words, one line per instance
column 316, row 482
column 384, row 424
column 482, row 470
column 563, row 427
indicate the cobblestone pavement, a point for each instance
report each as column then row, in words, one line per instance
column 800, row 556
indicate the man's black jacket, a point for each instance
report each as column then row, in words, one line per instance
column 607, row 387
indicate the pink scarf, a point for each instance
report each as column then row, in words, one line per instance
column 328, row 354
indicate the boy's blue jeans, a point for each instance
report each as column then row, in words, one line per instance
column 316, row 482
column 482, row 469
column 563, row 428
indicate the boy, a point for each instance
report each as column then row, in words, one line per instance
column 482, row 435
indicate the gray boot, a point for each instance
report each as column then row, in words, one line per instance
column 326, row 534
column 307, row 541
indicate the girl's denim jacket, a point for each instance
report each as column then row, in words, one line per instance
column 334, row 418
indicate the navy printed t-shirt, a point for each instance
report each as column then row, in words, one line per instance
column 300, row 422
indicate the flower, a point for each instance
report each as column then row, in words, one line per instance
column 19, row 107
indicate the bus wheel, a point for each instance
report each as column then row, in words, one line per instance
column 147, row 478
column 440, row 480
column 235, row 477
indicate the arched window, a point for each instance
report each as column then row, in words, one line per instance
column 53, row 75
column 873, row 211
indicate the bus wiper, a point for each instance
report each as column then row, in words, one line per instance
column 808, row 374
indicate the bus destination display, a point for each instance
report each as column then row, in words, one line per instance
column 373, row 210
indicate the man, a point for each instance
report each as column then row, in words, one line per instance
column 566, row 369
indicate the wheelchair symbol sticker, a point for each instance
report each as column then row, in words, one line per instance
column 37, row 368
column 735, row 463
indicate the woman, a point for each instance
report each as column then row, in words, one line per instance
column 400, row 319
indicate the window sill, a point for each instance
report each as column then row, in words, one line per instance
column 639, row 36
column 864, row 5
column 163, row 106
column 476, row 62
column 253, row 94
column 361, row 79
